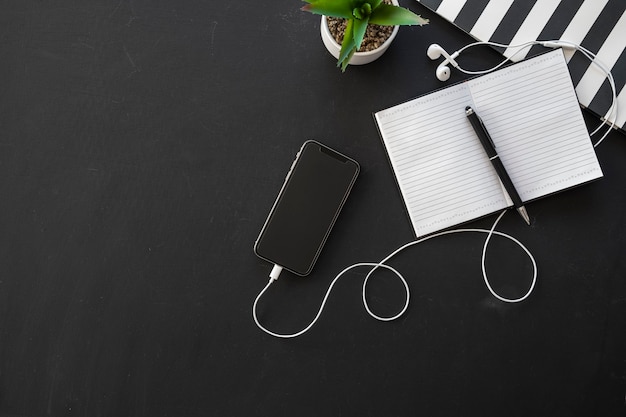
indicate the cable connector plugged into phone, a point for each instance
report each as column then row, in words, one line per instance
column 276, row 270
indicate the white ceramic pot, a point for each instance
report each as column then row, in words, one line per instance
column 359, row 58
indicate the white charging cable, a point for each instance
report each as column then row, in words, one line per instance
column 383, row 264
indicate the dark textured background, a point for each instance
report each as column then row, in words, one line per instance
column 142, row 144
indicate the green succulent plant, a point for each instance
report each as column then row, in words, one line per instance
column 360, row 13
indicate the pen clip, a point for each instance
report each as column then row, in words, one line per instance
column 486, row 131
column 470, row 112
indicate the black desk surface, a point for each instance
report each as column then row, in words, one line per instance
column 142, row 144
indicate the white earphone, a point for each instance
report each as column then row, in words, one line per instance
column 443, row 70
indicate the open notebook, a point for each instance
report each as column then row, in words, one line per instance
column 532, row 114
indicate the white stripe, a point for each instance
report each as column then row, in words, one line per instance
column 450, row 9
column 608, row 54
column 578, row 28
column 490, row 19
column 530, row 30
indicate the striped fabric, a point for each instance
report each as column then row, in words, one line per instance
column 598, row 25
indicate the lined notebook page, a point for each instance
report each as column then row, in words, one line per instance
column 441, row 168
column 533, row 117
column 531, row 111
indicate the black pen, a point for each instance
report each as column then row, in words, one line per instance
column 490, row 149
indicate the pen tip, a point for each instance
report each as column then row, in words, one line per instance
column 522, row 211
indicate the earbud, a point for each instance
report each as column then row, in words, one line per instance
column 443, row 71
column 435, row 51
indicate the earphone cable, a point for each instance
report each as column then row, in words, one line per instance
column 383, row 264
column 610, row 117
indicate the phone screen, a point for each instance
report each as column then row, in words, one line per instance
column 307, row 206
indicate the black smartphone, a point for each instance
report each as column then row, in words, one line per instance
column 307, row 206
